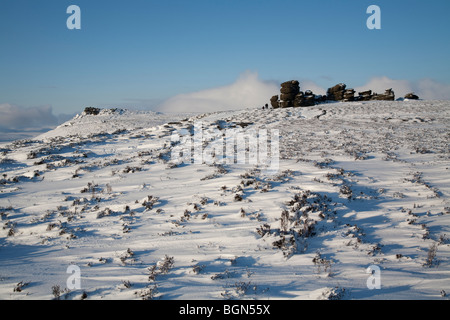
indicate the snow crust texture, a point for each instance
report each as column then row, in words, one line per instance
column 360, row 187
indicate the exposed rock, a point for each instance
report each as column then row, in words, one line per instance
column 274, row 102
column 336, row 93
column 288, row 96
column 309, row 100
column 299, row 99
column 306, row 99
column 289, row 90
column 91, row 111
column 293, row 85
column 286, row 104
column 321, row 98
column 368, row 95
column 365, row 95
column 388, row 95
column 291, row 96
column 411, row 96
column 349, row 95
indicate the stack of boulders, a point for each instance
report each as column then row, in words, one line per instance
column 411, row 96
column 365, row 95
column 289, row 90
column 340, row 93
column 308, row 99
column 349, row 95
column 91, row 111
column 291, row 96
column 387, row 95
column 274, row 102
column 336, row 93
column 305, row 99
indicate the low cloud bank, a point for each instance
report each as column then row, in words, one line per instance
column 17, row 118
column 17, row 122
column 247, row 91
column 250, row 91
column 426, row 89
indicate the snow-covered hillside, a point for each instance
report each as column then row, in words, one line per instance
column 359, row 185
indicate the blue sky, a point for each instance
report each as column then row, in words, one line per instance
column 142, row 52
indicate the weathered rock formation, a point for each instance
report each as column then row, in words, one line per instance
column 309, row 99
column 274, row 102
column 411, row 96
column 340, row 93
column 289, row 90
column 349, row 95
column 365, row 95
column 337, row 92
column 291, row 96
column 388, row 95
column 91, row 111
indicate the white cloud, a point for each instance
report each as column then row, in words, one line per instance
column 14, row 117
column 18, row 122
column 430, row 89
column 311, row 85
column 380, row 84
column 247, row 91
column 426, row 88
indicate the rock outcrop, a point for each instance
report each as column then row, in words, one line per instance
column 411, row 96
column 291, row 96
column 340, row 93
column 274, row 102
column 349, row 95
column 387, row 95
column 309, row 99
column 365, row 95
column 289, row 90
column 92, row 111
column 337, row 92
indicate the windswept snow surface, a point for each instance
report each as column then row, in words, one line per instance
column 359, row 186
